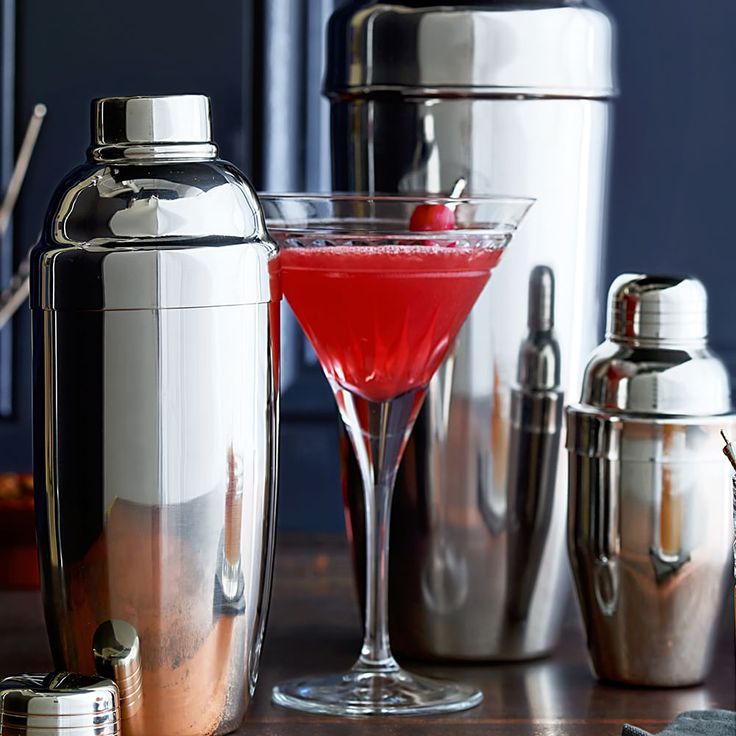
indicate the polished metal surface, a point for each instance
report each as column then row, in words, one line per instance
column 534, row 445
column 116, row 649
column 155, row 298
column 657, row 308
column 175, row 126
column 59, row 702
column 512, row 97
column 655, row 358
column 561, row 48
column 649, row 533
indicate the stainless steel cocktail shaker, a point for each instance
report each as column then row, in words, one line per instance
column 649, row 517
column 155, row 296
column 512, row 97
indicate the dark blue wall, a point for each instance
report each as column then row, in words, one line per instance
column 674, row 159
column 672, row 189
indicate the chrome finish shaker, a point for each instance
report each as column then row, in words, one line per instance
column 155, row 298
column 56, row 703
column 649, row 531
column 513, row 97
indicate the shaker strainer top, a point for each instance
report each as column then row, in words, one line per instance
column 660, row 308
column 120, row 124
column 59, row 702
column 655, row 360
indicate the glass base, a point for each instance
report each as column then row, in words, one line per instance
column 369, row 693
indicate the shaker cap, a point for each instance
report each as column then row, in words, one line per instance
column 124, row 123
column 59, row 702
column 655, row 361
column 659, row 308
column 522, row 48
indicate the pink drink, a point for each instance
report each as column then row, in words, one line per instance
column 382, row 319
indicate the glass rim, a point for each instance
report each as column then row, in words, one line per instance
column 375, row 214
column 397, row 197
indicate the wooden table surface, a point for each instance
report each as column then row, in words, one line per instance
column 314, row 627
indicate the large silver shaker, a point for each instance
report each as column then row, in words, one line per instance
column 511, row 97
column 155, row 297
column 649, row 531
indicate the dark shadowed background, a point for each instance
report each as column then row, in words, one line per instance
column 672, row 192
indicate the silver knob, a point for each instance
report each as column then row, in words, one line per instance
column 130, row 127
column 657, row 308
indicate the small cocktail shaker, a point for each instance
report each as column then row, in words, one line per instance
column 155, row 296
column 649, row 533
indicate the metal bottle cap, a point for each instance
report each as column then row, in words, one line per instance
column 655, row 362
column 49, row 704
column 130, row 127
column 657, row 308
column 524, row 48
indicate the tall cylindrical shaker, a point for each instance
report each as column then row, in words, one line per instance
column 155, row 293
column 649, row 512
column 512, row 97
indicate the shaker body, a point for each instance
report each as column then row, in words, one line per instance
column 155, row 298
column 557, row 151
column 649, row 544
column 159, row 495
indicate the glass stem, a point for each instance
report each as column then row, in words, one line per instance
column 378, row 431
column 376, row 650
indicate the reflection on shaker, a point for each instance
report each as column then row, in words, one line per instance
column 229, row 581
column 675, row 482
column 492, row 497
column 117, row 653
column 536, row 423
column 445, row 569
column 424, row 173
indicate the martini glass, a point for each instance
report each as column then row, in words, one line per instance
column 381, row 285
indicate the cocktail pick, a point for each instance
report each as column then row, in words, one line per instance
column 729, row 450
column 458, row 187
column 15, row 293
column 21, row 165
column 437, row 217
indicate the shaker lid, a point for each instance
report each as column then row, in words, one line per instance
column 661, row 308
column 526, row 48
column 125, row 123
column 59, row 702
column 655, row 361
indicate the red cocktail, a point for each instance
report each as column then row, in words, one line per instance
column 382, row 319
column 381, row 306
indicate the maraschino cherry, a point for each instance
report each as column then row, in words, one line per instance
column 434, row 218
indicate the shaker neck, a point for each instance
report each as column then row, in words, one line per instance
column 146, row 153
column 658, row 343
